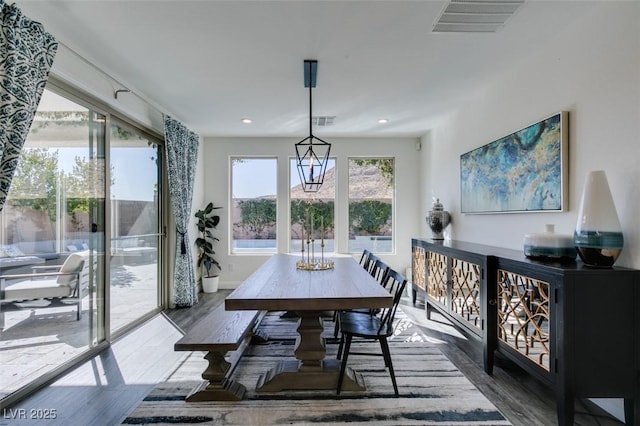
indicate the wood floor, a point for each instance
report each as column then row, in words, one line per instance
column 104, row 390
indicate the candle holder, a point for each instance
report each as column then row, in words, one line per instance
column 311, row 263
column 315, row 265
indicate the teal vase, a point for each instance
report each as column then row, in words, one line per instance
column 598, row 236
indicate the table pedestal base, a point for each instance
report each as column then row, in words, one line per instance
column 288, row 375
column 228, row 391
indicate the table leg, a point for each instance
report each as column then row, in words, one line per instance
column 310, row 347
column 217, row 387
column 311, row 370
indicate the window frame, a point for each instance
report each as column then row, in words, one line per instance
column 251, row 252
column 393, row 227
column 292, row 171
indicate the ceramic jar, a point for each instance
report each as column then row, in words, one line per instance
column 438, row 219
column 549, row 246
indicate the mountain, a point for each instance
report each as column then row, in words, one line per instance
column 364, row 182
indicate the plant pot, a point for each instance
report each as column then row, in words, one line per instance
column 210, row 284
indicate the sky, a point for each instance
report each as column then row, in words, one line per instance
column 134, row 171
column 257, row 177
column 135, row 174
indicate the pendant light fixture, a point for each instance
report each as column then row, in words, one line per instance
column 312, row 153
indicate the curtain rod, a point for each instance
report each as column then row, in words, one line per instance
column 124, row 88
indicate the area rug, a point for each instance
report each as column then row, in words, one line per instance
column 432, row 390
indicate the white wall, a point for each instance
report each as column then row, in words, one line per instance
column 72, row 69
column 591, row 70
column 216, row 155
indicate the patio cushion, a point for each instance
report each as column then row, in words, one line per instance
column 11, row 262
column 44, row 288
column 10, row 250
column 70, row 265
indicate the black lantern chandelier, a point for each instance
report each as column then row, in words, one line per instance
column 312, row 153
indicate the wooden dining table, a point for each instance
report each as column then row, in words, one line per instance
column 279, row 286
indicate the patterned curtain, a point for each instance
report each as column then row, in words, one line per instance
column 182, row 155
column 26, row 56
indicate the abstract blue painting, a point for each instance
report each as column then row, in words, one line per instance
column 525, row 171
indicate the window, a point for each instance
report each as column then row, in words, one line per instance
column 135, row 231
column 53, row 219
column 253, row 205
column 312, row 206
column 371, row 199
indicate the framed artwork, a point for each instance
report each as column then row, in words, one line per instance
column 525, row 171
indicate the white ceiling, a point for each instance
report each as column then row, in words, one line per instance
column 211, row 63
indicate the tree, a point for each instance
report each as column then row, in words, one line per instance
column 257, row 215
column 322, row 212
column 369, row 216
column 385, row 166
column 85, row 183
column 35, row 181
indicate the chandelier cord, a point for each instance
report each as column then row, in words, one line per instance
column 310, row 103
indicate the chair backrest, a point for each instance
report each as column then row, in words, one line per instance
column 371, row 263
column 364, row 259
column 379, row 271
column 89, row 270
column 72, row 266
column 395, row 283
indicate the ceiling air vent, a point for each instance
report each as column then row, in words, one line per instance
column 475, row 16
column 323, row 121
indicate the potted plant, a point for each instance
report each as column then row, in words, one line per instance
column 207, row 220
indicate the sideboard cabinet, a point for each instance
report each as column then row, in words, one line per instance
column 575, row 328
column 453, row 275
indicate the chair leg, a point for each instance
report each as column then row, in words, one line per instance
column 387, row 360
column 340, row 346
column 79, row 309
column 336, row 319
column 343, row 366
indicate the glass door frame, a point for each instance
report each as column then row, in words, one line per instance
column 162, row 291
column 103, row 337
column 62, row 88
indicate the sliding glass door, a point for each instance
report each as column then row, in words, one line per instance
column 135, row 225
column 52, row 244
column 80, row 239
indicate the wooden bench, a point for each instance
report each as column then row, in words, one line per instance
column 217, row 333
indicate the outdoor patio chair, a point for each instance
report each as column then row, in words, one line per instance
column 59, row 287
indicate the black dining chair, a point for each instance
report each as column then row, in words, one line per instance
column 378, row 271
column 372, row 261
column 378, row 326
column 364, row 259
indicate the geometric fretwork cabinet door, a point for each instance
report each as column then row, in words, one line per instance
column 418, row 272
column 575, row 328
column 455, row 279
column 523, row 316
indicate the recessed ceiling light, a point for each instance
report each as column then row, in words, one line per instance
column 247, row 121
column 383, row 121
